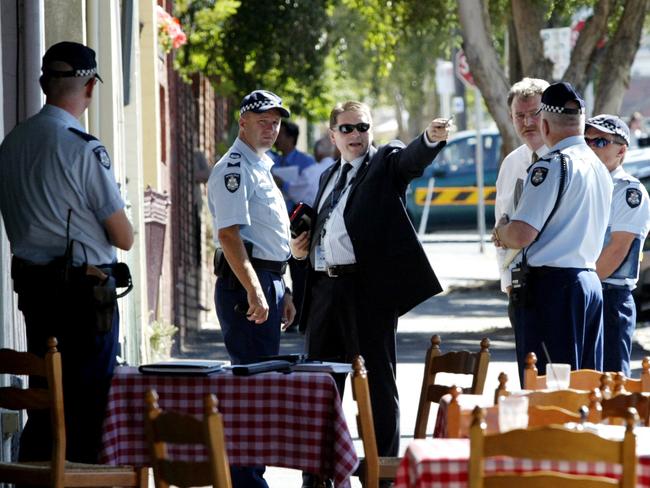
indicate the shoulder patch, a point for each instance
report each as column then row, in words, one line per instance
column 234, row 155
column 233, row 165
column 538, row 176
column 84, row 135
column 102, row 156
column 232, row 181
column 633, row 197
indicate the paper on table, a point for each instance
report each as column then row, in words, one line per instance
column 322, row 367
column 510, row 256
column 289, row 174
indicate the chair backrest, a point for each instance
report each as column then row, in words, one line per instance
column 454, row 362
column 549, row 443
column 587, row 379
column 163, row 428
column 47, row 396
column 365, row 422
column 459, row 420
column 617, row 407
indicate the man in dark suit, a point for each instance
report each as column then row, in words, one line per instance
column 366, row 265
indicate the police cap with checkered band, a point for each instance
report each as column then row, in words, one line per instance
column 80, row 58
column 610, row 124
column 259, row 101
column 557, row 95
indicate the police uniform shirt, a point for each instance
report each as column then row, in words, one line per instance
column 509, row 186
column 574, row 235
column 48, row 165
column 630, row 212
column 241, row 191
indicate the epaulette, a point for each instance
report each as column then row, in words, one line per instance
column 233, row 159
column 84, row 135
column 549, row 156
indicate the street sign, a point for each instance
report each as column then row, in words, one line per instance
column 462, row 69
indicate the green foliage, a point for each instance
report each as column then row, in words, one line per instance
column 276, row 45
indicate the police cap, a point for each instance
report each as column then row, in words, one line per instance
column 610, row 124
column 259, row 101
column 557, row 95
column 81, row 59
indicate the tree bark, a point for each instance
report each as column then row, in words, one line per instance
column 486, row 67
column 529, row 18
column 584, row 52
column 620, row 54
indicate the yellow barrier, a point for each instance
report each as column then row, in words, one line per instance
column 455, row 195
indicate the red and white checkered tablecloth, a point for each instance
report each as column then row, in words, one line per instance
column 288, row 420
column 443, row 463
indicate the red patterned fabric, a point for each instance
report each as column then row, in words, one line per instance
column 443, row 463
column 287, row 420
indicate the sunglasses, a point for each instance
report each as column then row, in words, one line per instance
column 599, row 142
column 348, row 128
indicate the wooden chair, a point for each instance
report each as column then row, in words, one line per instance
column 455, row 362
column 550, row 443
column 459, row 420
column 615, row 409
column 163, row 428
column 586, row 379
column 372, row 468
column 57, row 472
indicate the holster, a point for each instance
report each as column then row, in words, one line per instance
column 223, row 270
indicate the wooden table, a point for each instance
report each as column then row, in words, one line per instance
column 288, row 420
column 443, row 463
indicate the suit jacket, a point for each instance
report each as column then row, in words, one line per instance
column 392, row 263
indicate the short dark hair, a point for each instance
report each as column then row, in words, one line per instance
column 292, row 130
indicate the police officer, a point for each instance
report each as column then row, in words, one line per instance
column 629, row 221
column 252, row 229
column 560, row 222
column 64, row 217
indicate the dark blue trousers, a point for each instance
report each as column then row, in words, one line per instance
column 247, row 342
column 566, row 314
column 619, row 317
column 87, row 359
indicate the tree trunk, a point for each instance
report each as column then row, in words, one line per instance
column 529, row 18
column 486, row 67
column 619, row 57
column 583, row 55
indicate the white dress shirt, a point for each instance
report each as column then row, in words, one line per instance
column 512, row 174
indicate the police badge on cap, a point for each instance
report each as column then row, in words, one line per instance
column 557, row 95
column 610, row 124
column 260, row 101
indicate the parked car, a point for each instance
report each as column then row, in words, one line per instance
column 454, row 197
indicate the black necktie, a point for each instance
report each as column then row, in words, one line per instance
column 330, row 202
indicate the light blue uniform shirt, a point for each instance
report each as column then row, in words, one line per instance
column 574, row 236
column 630, row 213
column 241, row 191
column 47, row 169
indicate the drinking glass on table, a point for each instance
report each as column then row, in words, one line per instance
column 558, row 376
column 513, row 412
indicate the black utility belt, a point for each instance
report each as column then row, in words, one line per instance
column 272, row 266
column 612, row 286
column 222, row 268
column 546, row 270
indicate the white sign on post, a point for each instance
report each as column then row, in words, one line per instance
column 557, row 48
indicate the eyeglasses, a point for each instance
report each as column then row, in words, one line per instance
column 599, row 142
column 348, row 128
